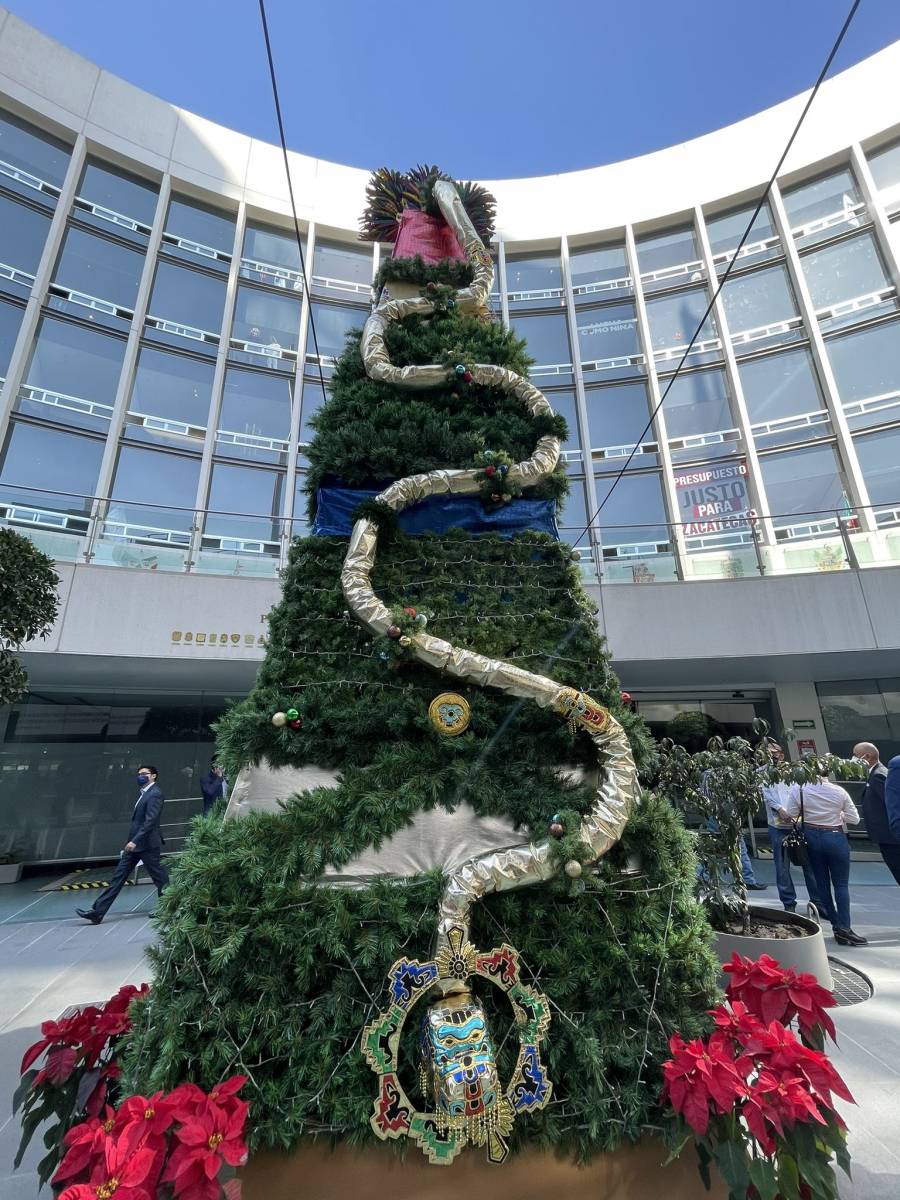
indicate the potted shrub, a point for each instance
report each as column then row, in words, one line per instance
column 11, row 865
column 721, row 784
column 756, row 1100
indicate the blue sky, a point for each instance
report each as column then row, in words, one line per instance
column 485, row 88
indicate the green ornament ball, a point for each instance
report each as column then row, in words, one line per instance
column 292, row 714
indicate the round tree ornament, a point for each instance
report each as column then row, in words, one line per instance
column 449, row 713
column 573, row 868
column 279, row 719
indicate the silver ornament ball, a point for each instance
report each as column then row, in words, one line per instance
column 279, row 719
column 573, row 868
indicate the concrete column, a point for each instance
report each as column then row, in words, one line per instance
column 129, row 361
column 670, row 494
column 215, row 407
column 886, row 234
column 741, row 415
column 501, row 282
column 296, row 408
column 584, row 438
column 19, row 359
column 798, row 704
column 859, row 496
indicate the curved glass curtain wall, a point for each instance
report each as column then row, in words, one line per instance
column 776, row 448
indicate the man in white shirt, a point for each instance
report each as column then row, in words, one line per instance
column 775, row 797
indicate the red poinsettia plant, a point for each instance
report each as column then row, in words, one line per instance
column 100, row 1145
column 756, row 1099
column 172, row 1146
column 77, row 1076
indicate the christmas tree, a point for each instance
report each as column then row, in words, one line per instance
column 459, row 821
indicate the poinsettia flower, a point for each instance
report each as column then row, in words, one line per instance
column 222, row 1091
column 59, row 1066
column 700, row 1073
column 84, row 1144
column 810, row 1000
column 186, row 1100
column 121, row 1001
column 121, row 1172
column 213, row 1137
column 760, row 984
column 152, row 1115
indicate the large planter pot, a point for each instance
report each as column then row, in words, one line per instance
column 806, row 953
column 10, row 872
column 316, row 1172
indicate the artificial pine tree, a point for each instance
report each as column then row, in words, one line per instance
column 278, row 932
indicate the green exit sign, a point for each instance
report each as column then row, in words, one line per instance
column 804, row 724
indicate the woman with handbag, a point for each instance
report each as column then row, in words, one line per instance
column 825, row 810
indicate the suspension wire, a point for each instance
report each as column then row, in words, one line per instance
column 759, row 207
column 287, row 172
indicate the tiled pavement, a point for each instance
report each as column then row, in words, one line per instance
column 50, row 960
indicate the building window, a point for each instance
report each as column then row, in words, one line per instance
column 123, row 199
column 23, row 231
column 866, row 366
column 272, row 257
column 181, row 296
column 300, row 522
column 170, row 398
column 847, row 270
column 156, row 489
column 759, row 299
column 199, row 226
column 574, row 516
column 73, row 374
column 532, row 273
column 835, row 195
column 598, row 269
column 29, row 157
column 244, row 503
column 332, row 324
column 266, row 319
column 100, row 269
column 667, row 259
column 784, row 401
column 726, row 230
column 861, row 710
column 312, row 399
column 547, row 339
column 697, row 410
column 255, row 420
column 10, row 320
column 885, row 167
column 803, row 486
column 608, row 333
column 879, row 458
column 617, row 420
column 37, row 457
column 632, row 519
column 674, row 320
column 564, row 404
column 337, row 263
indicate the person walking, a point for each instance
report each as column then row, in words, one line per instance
column 892, row 796
column 775, row 797
column 827, row 809
column 878, row 826
column 144, row 844
column 212, row 785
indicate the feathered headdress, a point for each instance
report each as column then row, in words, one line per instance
column 390, row 192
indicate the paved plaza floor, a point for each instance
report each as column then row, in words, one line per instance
column 52, row 960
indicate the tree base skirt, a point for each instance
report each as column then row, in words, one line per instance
column 318, row 1173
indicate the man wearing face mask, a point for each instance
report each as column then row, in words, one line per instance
column 878, row 824
column 144, row 845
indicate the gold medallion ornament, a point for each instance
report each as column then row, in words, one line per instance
column 449, row 713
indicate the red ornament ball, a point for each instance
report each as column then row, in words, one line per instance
column 495, row 498
column 298, row 724
column 410, row 612
column 489, row 471
column 394, row 632
column 467, row 377
column 557, row 830
column 626, row 697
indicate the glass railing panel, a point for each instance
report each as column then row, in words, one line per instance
column 56, row 523
column 721, row 549
column 144, row 537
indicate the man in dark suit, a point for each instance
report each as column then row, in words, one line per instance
column 879, row 826
column 144, row 845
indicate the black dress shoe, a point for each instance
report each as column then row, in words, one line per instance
column 846, row 937
column 88, row 914
column 756, row 887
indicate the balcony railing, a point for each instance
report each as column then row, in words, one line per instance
column 724, row 546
